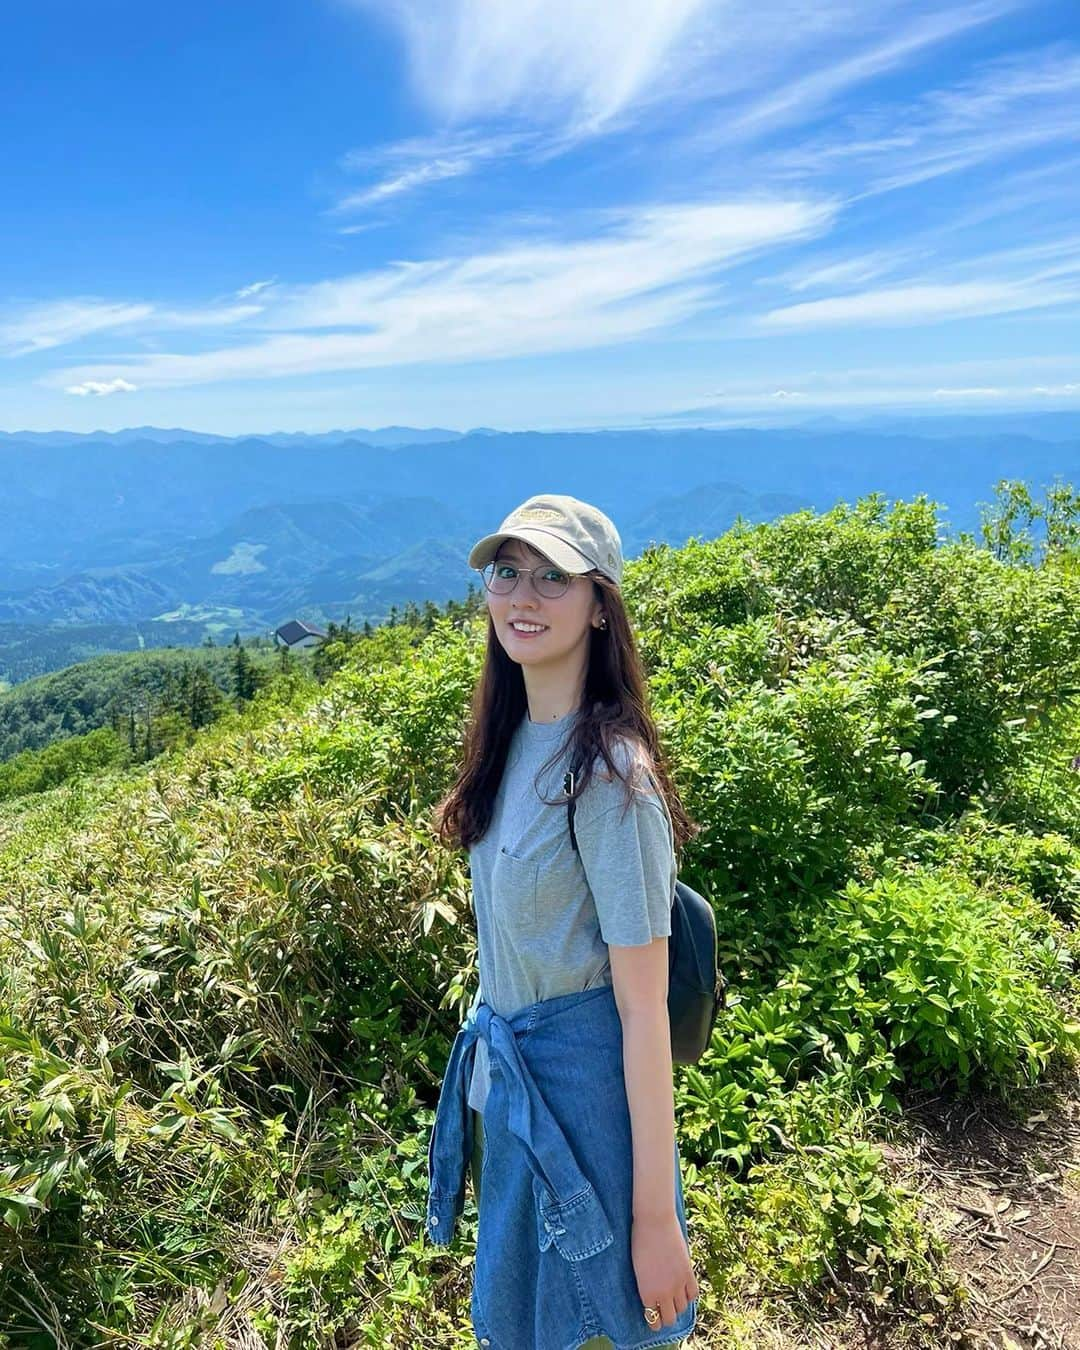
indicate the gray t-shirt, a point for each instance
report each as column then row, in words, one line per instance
column 545, row 914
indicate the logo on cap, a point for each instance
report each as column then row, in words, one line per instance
column 538, row 513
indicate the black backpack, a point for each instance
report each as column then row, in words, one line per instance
column 696, row 985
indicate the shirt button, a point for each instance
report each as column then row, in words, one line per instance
column 434, row 1220
column 484, row 1340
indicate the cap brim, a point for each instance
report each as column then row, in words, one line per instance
column 561, row 553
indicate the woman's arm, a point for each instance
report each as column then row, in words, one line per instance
column 640, row 980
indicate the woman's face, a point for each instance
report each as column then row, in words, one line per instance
column 566, row 620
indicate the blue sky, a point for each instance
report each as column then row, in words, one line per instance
column 535, row 213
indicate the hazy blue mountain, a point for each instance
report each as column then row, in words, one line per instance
column 265, row 562
column 383, row 436
column 163, row 435
column 218, row 534
column 170, row 435
column 117, row 597
column 711, row 508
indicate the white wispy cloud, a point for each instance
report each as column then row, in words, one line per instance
column 576, row 68
column 435, row 171
column 208, row 316
column 916, row 303
column 649, row 269
column 574, row 61
column 1010, row 104
column 256, row 286
column 796, row 99
column 405, row 166
column 35, row 328
column 994, row 281
column 850, row 271
column 1060, row 254
column 555, row 72
column 1044, row 192
column 101, row 388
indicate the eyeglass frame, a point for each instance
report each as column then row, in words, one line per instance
column 537, row 568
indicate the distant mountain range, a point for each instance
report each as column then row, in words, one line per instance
column 1050, row 426
column 168, row 435
column 149, row 529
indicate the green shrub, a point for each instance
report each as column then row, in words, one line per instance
column 933, row 965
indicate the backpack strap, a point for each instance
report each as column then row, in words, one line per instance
column 570, row 778
column 571, row 805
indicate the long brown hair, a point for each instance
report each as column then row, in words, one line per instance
column 615, row 705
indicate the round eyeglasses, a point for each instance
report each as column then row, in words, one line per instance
column 548, row 580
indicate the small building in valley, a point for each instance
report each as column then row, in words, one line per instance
column 296, row 633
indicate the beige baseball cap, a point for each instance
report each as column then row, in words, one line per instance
column 574, row 535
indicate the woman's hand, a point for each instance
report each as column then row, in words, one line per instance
column 662, row 1268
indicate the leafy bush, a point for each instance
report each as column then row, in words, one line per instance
column 932, row 967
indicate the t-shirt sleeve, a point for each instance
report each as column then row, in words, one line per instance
column 627, row 855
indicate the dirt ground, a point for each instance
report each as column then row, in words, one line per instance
column 1001, row 1187
column 1005, row 1194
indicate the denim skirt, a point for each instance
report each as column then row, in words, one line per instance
column 553, row 1267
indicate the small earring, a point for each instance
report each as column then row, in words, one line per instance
column 602, row 624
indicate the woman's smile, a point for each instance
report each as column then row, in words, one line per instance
column 532, row 631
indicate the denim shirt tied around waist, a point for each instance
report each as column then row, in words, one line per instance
column 553, row 1264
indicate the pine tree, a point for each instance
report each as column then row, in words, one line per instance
column 243, row 675
column 202, row 695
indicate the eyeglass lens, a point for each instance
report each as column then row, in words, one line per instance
column 502, row 577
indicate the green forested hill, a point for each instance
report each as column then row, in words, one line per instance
column 136, row 706
column 109, row 688
column 229, row 980
column 31, row 649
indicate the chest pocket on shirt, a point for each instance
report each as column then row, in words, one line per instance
column 514, row 885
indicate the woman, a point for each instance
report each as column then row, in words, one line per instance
column 559, row 1082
